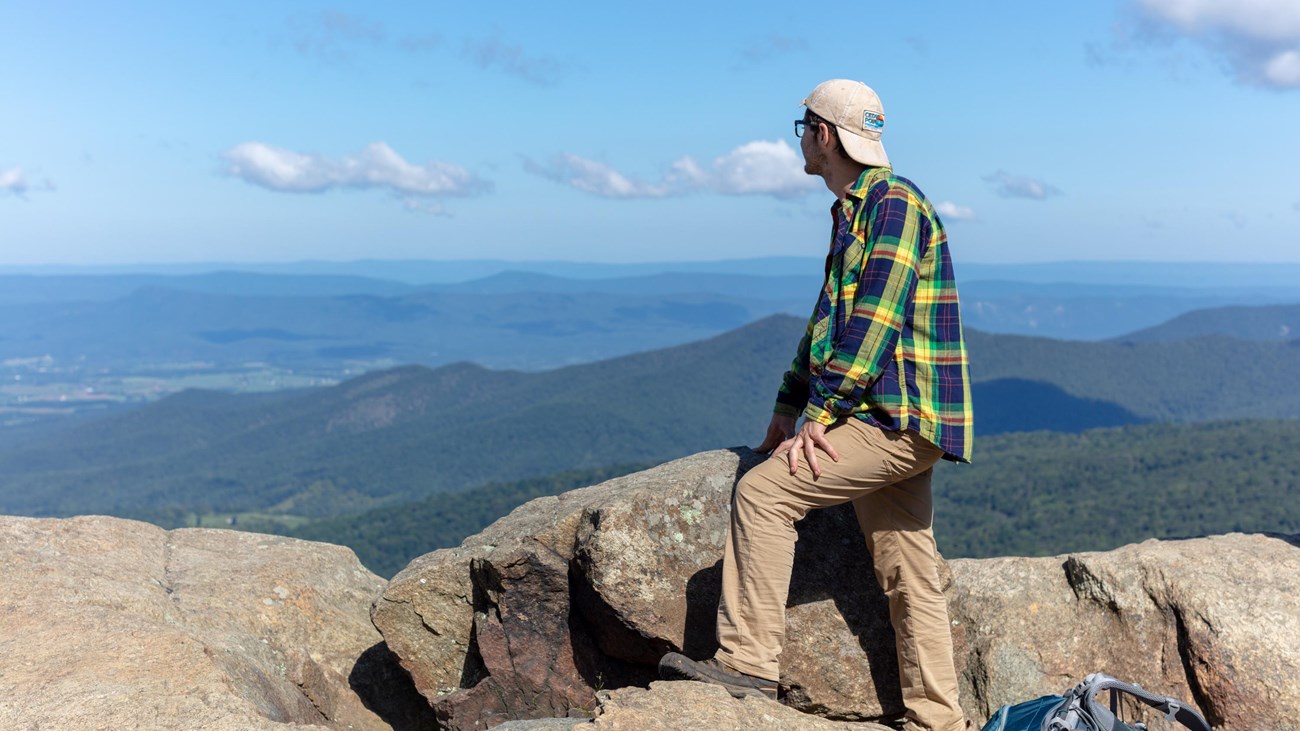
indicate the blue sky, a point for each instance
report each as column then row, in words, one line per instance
column 1157, row 130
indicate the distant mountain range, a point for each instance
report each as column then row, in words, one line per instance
column 528, row 330
column 616, row 366
column 411, row 432
column 1275, row 322
column 333, row 325
column 1198, row 275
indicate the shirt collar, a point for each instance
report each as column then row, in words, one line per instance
column 858, row 191
column 868, row 178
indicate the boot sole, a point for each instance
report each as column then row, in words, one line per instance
column 675, row 666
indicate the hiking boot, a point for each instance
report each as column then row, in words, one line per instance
column 676, row 666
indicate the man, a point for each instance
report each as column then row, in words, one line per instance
column 881, row 380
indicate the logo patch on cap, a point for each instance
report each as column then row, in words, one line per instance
column 874, row 121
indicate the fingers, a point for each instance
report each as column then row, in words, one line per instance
column 826, row 446
column 807, row 445
column 810, row 449
column 805, row 442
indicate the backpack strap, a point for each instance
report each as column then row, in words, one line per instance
column 1174, row 709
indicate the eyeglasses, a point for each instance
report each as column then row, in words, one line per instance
column 800, row 124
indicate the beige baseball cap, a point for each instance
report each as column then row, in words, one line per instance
column 857, row 113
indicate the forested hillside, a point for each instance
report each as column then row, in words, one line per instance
column 1041, row 494
column 401, row 434
column 1032, row 494
column 386, row 539
column 1200, row 379
column 1269, row 322
column 412, row 432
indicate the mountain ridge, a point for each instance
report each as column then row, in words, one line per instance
column 1257, row 322
column 403, row 434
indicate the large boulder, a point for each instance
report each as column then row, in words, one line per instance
column 500, row 628
column 587, row 590
column 109, row 623
column 1211, row 620
column 558, row 612
column 572, row 594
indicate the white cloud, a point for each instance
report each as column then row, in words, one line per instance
column 1277, row 20
column 376, row 166
column 14, row 182
column 1260, row 39
column 594, row 177
column 954, row 212
column 761, row 167
column 1284, row 69
column 754, row 168
column 1008, row 185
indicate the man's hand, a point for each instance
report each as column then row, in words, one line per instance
column 810, row 437
column 779, row 429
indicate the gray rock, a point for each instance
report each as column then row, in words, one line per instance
column 111, row 623
column 1213, row 620
column 632, row 567
column 650, row 564
column 545, row 724
column 494, row 630
column 676, row 706
column 583, row 591
column 559, row 610
column 686, row 705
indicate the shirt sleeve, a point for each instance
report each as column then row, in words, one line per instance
column 883, row 297
column 793, row 394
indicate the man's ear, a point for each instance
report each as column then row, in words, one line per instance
column 825, row 138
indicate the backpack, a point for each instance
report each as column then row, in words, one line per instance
column 1078, row 710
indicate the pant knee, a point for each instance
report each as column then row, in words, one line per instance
column 757, row 494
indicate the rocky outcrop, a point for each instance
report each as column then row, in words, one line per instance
column 553, row 618
column 1212, row 620
column 573, row 594
column 507, row 627
column 687, row 705
column 108, row 623
column 586, row 590
column 675, row 706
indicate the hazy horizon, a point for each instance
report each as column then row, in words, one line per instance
column 1146, row 273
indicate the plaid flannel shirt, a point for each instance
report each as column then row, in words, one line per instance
column 885, row 343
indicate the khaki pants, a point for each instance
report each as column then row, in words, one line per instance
column 886, row 475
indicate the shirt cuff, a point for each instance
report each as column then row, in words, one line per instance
column 816, row 413
column 786, row 410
